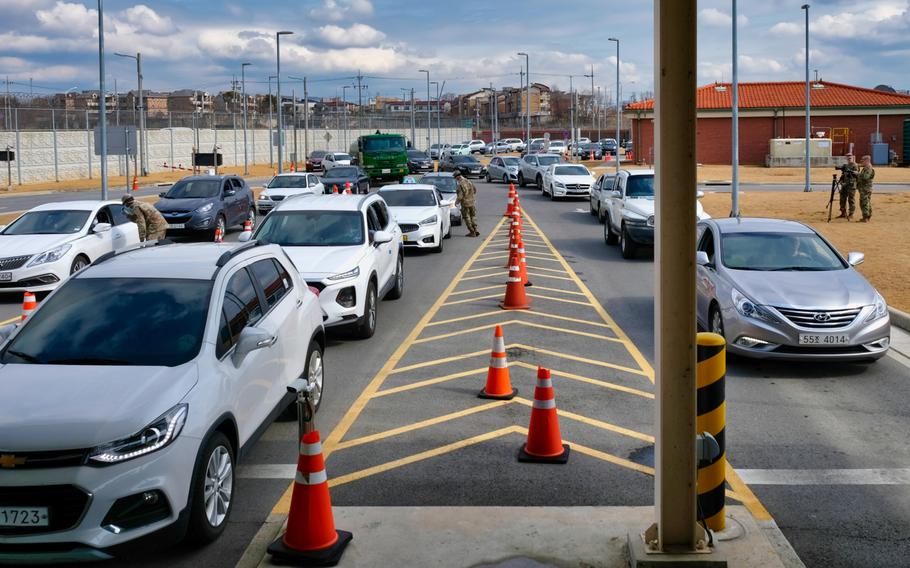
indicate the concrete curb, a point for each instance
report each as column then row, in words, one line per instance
column 900, row 318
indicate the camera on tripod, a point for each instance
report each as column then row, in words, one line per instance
column 846, row 171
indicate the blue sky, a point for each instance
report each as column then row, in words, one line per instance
column 467, row 43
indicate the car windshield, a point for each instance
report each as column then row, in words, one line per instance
column 435, row 146
column 571, row 171
column 465, row 160
column 511, row 161
column 445, row 184
column 416, row 155
column 342, row 157
column 281, row 182
column 190, row 189
column 149, row 322
column 316, row 154
column 337, row 172
column 391, row 143
column 409, row 197
column 547, row 160
column 640, row 186
column 312, row 228
column 778, row 251
column 61, row 222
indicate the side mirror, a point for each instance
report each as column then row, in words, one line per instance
column 230, row 192
column 264, row 186
column 380, row 237
column 251, row 339
column 701, row 258
column 162, row 194
column 615, row 193
column 447, row 202
column 245, row 236
column 855, row 258
column 699, row 194
column 101, row 227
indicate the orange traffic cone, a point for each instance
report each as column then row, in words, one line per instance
column 335, row 189
column 513, row 252
column 347, row 188
column 218, row 236
column 515, row 298
column 544, row 443
column 29, row 305
column 293, row 167
column 499, row 386
column 248, row 226
column 135, row 183
column 311, row 538
column 523, row 263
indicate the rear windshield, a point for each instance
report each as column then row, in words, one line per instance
column 778, row 252
column 342, row 157
column 188, row 189
column 408, row 198
column 445, row 184
column 312, row 228
column 392, row 143
column 48, row 223
column 571, row 171
column 148, row 322
column 280, row 182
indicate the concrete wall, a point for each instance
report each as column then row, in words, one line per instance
column 36, row 161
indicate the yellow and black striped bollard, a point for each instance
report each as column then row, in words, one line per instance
column 711, row 409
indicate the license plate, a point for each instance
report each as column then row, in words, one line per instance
column 176, row 225
column 386, row 170
column 823, row 339
column 23, row 517
column 404, row 238
column 6, row 276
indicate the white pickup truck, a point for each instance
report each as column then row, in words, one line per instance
column 628, row 211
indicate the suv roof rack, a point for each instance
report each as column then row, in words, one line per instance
column 228, row 255
column 146, row 244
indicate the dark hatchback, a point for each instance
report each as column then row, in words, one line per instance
column 202, row 204
column 339, row 175
column 467, row 165
column 314, row 161
column 419, row 162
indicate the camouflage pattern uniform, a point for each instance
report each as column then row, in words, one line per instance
column 466, row 201
column 848, row 190
column 864, row 186
column 152, row 226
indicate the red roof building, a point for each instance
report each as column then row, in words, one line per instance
column 848, row 115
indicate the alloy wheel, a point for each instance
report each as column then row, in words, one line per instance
column 219, row 485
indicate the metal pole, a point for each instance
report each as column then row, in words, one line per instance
column 126, row 139
column 571, row 113
column 143, row 159
column 170, row 129
column 54, row 128
column 234, row 127
column 528, row 85
column 593, row 104
column 675, row 73
column 9, row 169
column 734, row 184
column 618, row 104
column 271, row 136
column 808, row 134
column 344, row 111
column 413, row 119
column 88, row 144
column 19, row 150
column 429, row 120
column 439, row 112
column 296, row 152
column 306, row 121
column 246, row 163
column 280, row 105
column 102, row 112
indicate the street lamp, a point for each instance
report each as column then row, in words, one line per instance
column 143, row 166
column 306, row 114
column 808, row 187
column 278, row 79
column 102, row 108
column 618, row 104
column 593, row 102
column 528, row 75
column 429, row 120
column 344, row 110
column 246, row 165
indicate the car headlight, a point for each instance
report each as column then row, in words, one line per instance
column 651, row 221
column 560, row 184
column 52, row 255
column 633, row 218
column 345, row 275
column 749, row 309
column 429, row 220
column 879, row 309
column 206, row 208
column 262, row 196
column 161, row 432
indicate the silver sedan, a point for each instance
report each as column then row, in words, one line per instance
column 504, row 169
column 778, row 289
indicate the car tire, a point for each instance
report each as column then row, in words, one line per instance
column 398, row 289
column 552, row 194
column 610, row 237
column 591, row 208
column 601, row 218
column 448, row 234
column 80, row 262
column 313, row 372
column 366, row 326
column 438, row 249
column 627, row 247
column 505, row 179
column 539, row 181
column 214, row 467
column 252, row 217
column 716, row 320
column 521, row 180
column 488, row 179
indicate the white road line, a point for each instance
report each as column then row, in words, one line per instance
column 891, row 476
column 267, row 471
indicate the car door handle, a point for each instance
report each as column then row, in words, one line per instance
column 268, row 342
column 299, row 302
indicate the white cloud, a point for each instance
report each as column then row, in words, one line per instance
column 761, row 65
column 358, row 35
column 68, row 19
column 786, row 29
column 716, row 18
column 338, row 10
column 147, row 20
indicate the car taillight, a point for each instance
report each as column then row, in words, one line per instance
column 314, row 290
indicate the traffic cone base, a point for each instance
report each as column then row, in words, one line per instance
column 563, row 458
column 282, row 553
column 509, row 396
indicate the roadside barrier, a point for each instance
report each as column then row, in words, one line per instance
column 135, row 184
column 711, row 410
column 499, row 385
column 347, row 188
column 334, row 189
column 544, row 443
column 311, row 538
column 218, row 236
column 510, row 201
column 29, row 305
column 248, row 226
column 513, row 250
column 515, row 298
column 523, row 263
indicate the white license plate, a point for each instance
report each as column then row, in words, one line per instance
column 386, row 170
column 176, row 225
column 23, row 517
column 6, row 276
column 823, row 339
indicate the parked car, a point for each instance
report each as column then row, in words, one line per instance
column 347, row 247
column 284, row 186
column 629, row 211
column 338, row 176
column 129, row 396
column 575, row 144
column 467, row 165
column 422, row 214
column 456, row 150
column 589, row 150
column 314, row 161
column 419, row 161
column 533, row 166
column 608, row 145
column 515, row 144
column 503, row 168
column 566, row 180
column 497, row 147
column 45, row 245
column 436, row 150
column 333, row 159
column 475, row 146
column 778, row 289
column 601, row 191
column 558, row 147
column 447, row 186
column 202, row 204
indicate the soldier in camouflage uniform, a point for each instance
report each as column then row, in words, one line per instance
column 864, row 186
column 151, row 223
column 848, row 189
column 466, row 201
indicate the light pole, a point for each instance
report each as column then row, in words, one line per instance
column 344, row 105
column 429, row 120
column 411, row 91
column 618, row 105
column 438, row 110
column 143, row 166
column 528, row 110
column 246, row 165
column 278, row 83
column 734, row 182
column 306, row 116
column 808, row 187
column 271, row 130
column 102, row 108
column 593, row 101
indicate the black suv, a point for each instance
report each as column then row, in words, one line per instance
column 202, row 204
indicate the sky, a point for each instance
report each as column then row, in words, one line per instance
column 468, row 44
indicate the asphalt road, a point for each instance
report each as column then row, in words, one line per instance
column 419, row 436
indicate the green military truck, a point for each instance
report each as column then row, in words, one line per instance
column 384, row 157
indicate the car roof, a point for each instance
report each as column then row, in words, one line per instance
column 195, row 261
column 637, row 172
column 207, row 177
column 328, row 202
column 81, row 205
column 407, row 186
column 437, row 174
column 287, row 174
column 728, row 225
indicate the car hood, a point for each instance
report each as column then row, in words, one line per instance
column 20, row 245
column 189, row 204
column 645, row 207
column 412, row 214
column 287, row 191
column 316, row 263
column 829, row 290
column 574, row 179
column 57, row 407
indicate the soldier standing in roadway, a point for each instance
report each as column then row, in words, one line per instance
column 152, row 226
column 466, row 201
column 864, row 186
column 848, row 189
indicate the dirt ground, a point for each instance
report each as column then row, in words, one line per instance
column 758, row 174
column 885, row 240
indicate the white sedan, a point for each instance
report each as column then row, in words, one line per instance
column 284, row 186
column 44, row 245
column 567, row 180
column 422, row 213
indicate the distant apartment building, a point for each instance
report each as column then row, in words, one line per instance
column 190, row 100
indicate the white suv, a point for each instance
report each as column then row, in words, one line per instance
column 475, row 146
column 127, row 398
column 347, row 247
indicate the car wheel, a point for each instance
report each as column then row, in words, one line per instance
column 716, row 320
column 220, row 223
column 212, row 491
column 610, row 237
column 366, row 327
column 600, row 214
column 552, row 194
column 505, row 179
column 627, row 246
column 521, row 180
column 449, row 232
column 79, row 263
column 439, row 247
column 488, row 179
column 398, row 289
column 539, row 181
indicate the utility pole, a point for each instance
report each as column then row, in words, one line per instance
column 429, row 119
column 140, row 121
column 278, row 84
column 528, row 75
column 246, row 163
column 618, row 104
column 734, row 183
column 296, row 155
column 102, row 108
column 808, row 187
column 571, row 113
column 439, row 112
column 306, row 121
column 360, row 88
column 594, row 101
